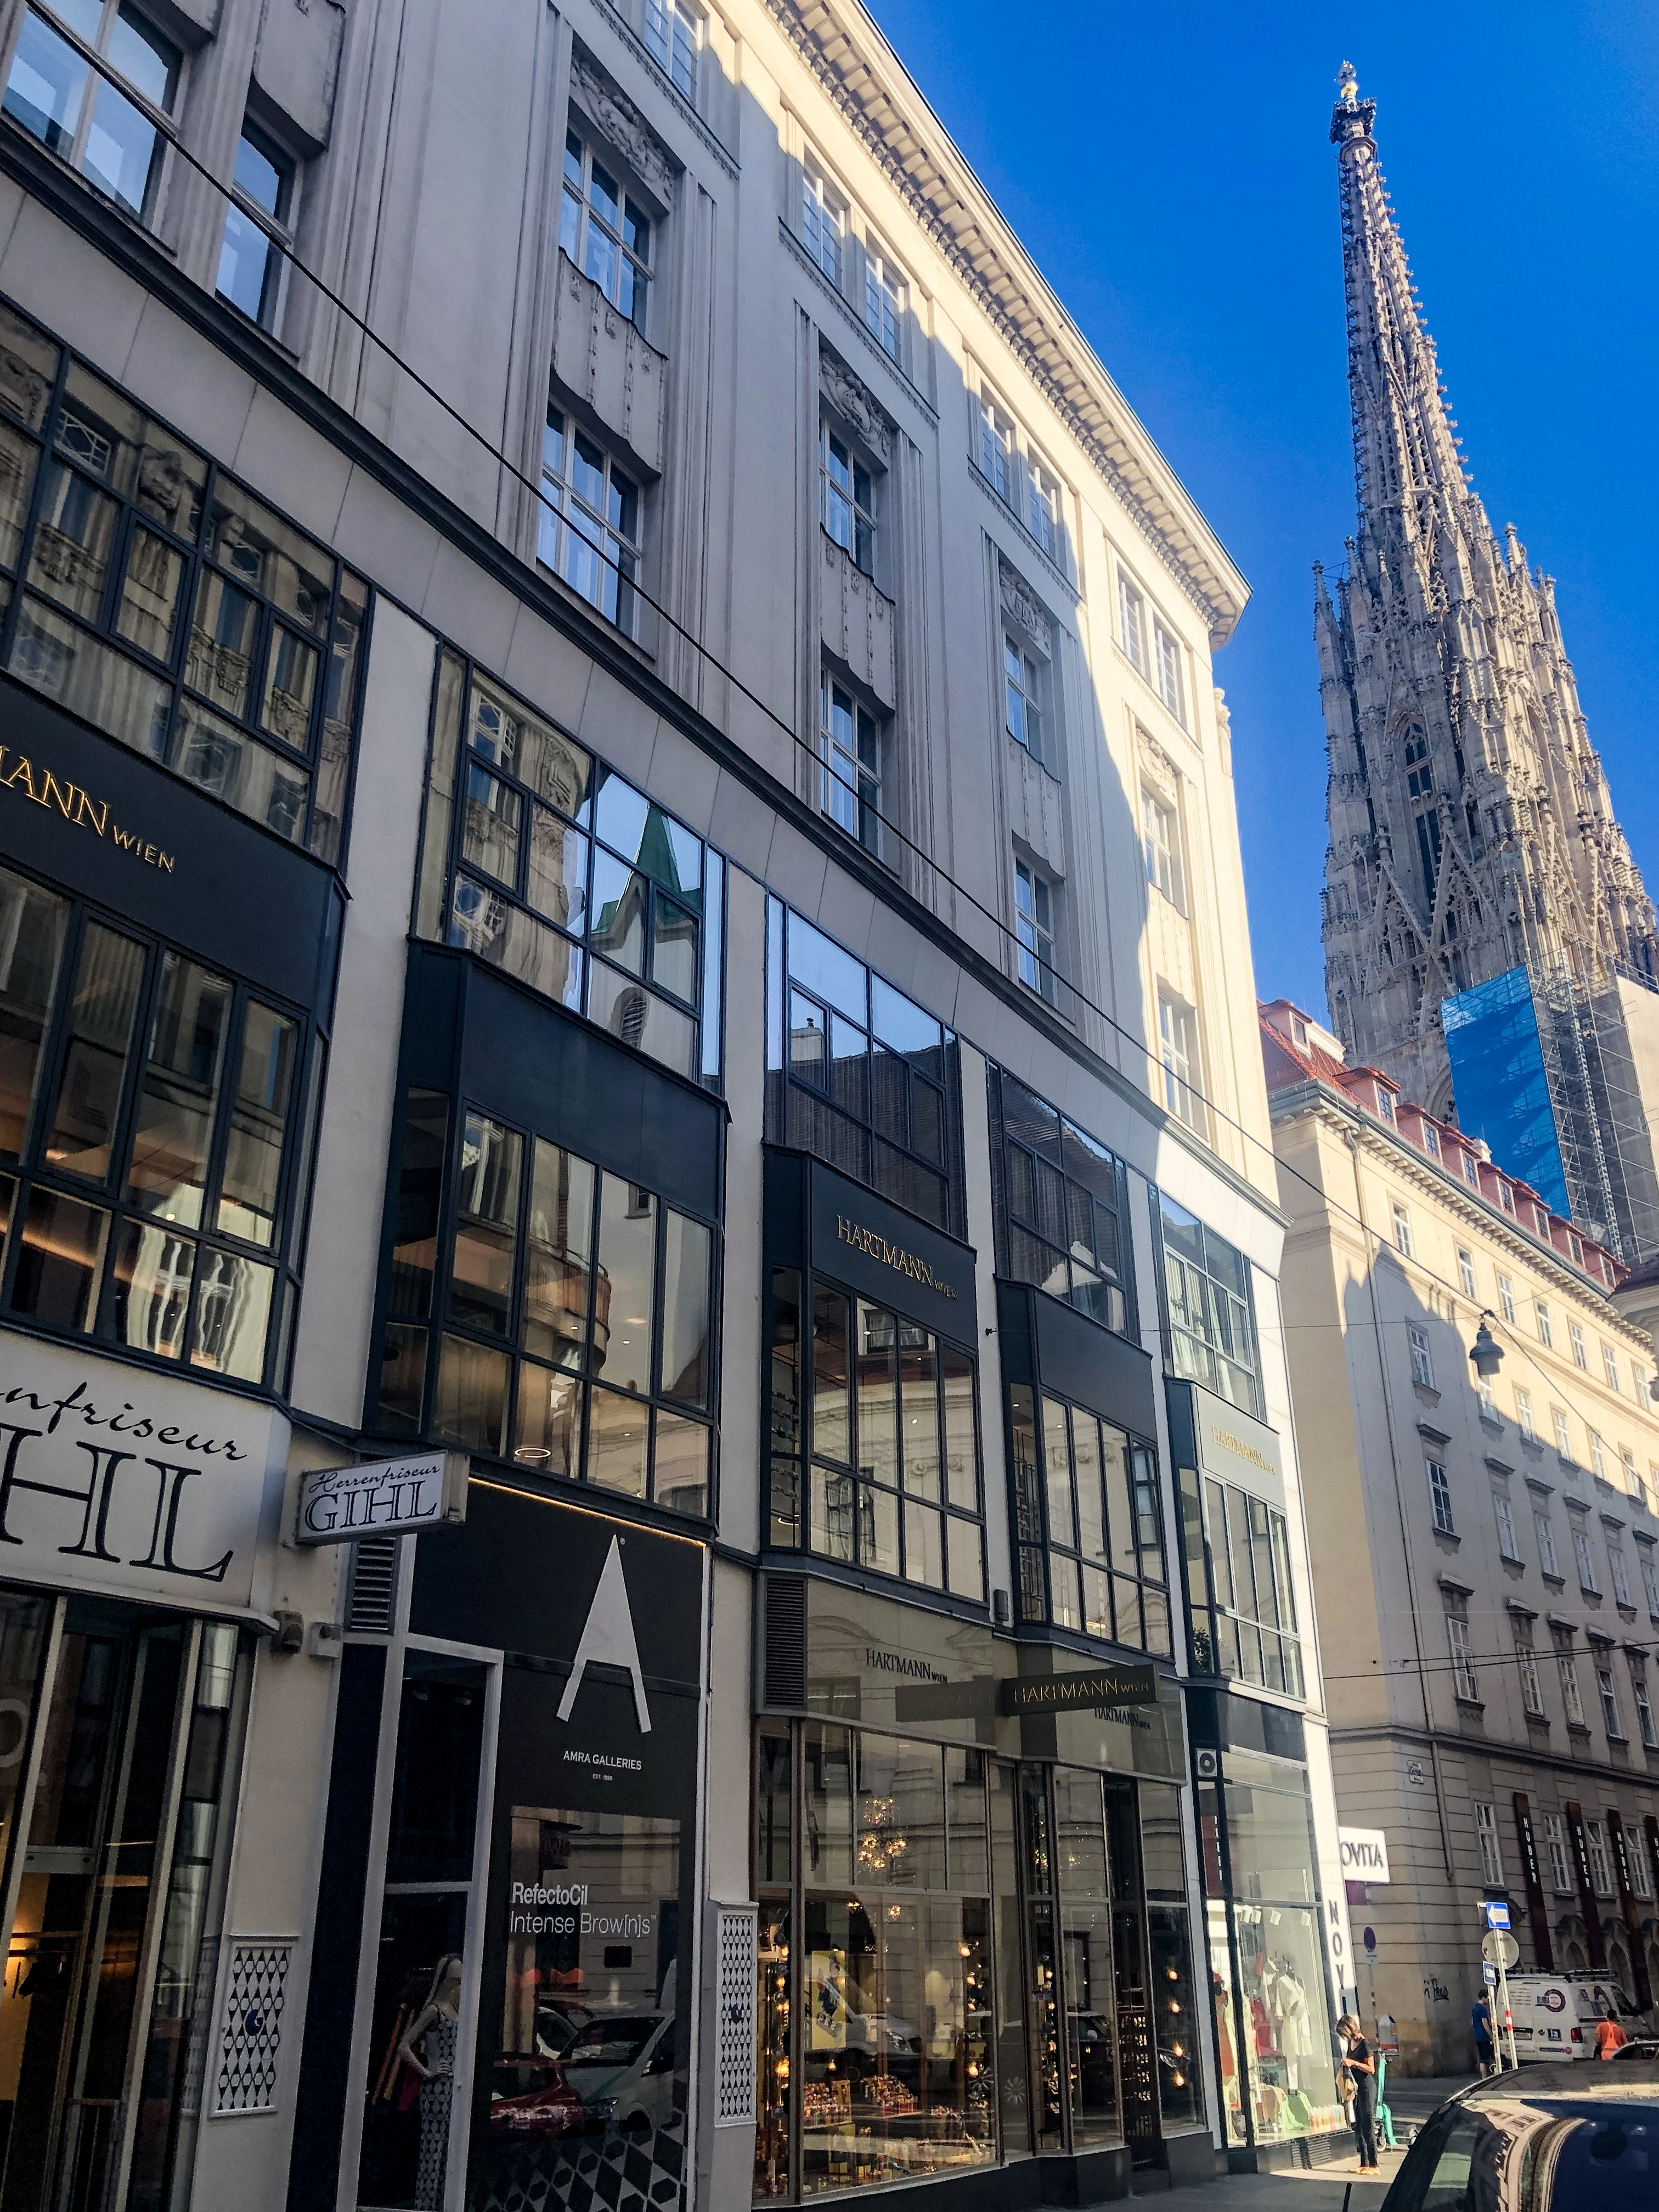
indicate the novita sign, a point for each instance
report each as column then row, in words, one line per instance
column 1364, row 1854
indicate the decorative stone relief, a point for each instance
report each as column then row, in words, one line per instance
column 856, row 403
column 599, row 355
column 1024, row 609
column 621, row 122
column 857, row 622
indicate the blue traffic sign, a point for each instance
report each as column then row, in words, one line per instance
column 1498, row 1915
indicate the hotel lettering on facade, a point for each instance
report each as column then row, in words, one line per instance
column 494, row 978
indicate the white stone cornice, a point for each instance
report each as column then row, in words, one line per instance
column 839, row 43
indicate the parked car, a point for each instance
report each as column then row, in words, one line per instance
column 1562, row 2138
column 1637, row 2046
column 546, row 2106
column 1555, row 2014
column 622, row 2067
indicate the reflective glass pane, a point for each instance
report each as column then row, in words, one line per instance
column 104, row 431
column 247, row 775
column 919, row 1371
column 268, row 555
column 618, row 1433
column 831, row 1514
column 103, row 687
column 1121, row 1528
column 74, row 537
column 1090, row 1504
column 223, row 640
column 180, row 1089
column 827, row 1789
column 964, row 1550
column 557, row 884
column 506, row 733
column 245, row 258
column 547, row 1428
column 621, row 900
column 149, row 595
column 628, row 1249
column 1057, row 1456
column 685, row 1310
column 679, row 1475
column 486, row 1224
column 19, row 457
column 29, row 366
column 258, row 1123
column 31, row 925
column 120, row 150
column 815, row 961
column 61, row 1261
column 515, row 942
column 558, row 1259
column 109, row 978
column 489, row 835
column 471, row 1402
column 877, row 1395
column 831, row 1436
column 44, row 91
column 674, row 949
column 650, row 1024
column 961, row 1462
column 291, row 673
column 785, row 1423
column 898, row 1812
column 153, row 1270
column 924, row 1545
column 232, row 1315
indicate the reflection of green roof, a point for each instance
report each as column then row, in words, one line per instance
column 657, row 853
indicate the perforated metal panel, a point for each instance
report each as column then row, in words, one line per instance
column 250, row 2039
column 734, row 2017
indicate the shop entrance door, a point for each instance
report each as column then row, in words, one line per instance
column 111, row 1873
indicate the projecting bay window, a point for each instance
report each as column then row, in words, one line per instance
column 158, row 600
column 1060, row 1202
column 546, row 864
column 98, row 84
column 590, row 531
column 1088, row 1532
column 149, row 1109
column 1212, row 1337
column 874, row 1453
column 1242, row 1622
column 543, row 1312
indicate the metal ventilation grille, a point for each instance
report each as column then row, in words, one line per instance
column 734, row 2017
column 785, row 1657
column 374, row 1585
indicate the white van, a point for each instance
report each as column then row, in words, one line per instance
column 1555, row 2014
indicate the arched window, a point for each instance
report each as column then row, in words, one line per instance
column 1419, row 780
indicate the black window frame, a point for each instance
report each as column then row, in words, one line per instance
column 340, row 638
column 439, row 1320
column 29, row 1170
column 1175, row 1331
column 1216, row 1652
column 1027, row 1248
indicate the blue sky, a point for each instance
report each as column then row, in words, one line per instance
column 1169, row 169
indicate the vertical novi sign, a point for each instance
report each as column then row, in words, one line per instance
column 382, row 1498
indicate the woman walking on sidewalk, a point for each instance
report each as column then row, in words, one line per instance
column 1357, row 2082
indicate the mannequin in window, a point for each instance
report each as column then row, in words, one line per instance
column 435, row 2027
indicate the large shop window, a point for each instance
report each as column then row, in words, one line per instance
column 547, row 1312
column 1212, row 1337
column 1061, row 1207
column 858, row 1074
column 144, row 590
column 150, row 1109
column 960, row 1959
column 124, row 1729
column 553, row 868
column 1089, row 1534
column 1242, row 1618
column 874, row 1447
column 1271, row 2009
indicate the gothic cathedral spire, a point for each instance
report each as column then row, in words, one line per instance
column 1471, row 830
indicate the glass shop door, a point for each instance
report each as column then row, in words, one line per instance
column 115, row 1846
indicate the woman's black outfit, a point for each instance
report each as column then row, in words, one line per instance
column 1365, row 2101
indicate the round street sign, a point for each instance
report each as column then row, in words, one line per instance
column 1499, row 1948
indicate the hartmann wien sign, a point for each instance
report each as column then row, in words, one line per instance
column 1105, row 1685
column 139, row 1485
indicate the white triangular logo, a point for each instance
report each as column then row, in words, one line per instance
column 608, row 1638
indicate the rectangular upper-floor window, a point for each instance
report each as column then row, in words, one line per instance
column 851, row 740
column 1545, row 1533
column 97, row 83
column 883, row 300
column 1585, row 1559
column 1034, row 902
column 548, row 864
column 1160, row 839
column 1024, row 692
column 1042, row 506
column 1523, row 1412
column 860, row 1075
column 1600, row 1862
column 1598, row 1456
column 1546, row 1332
column 1422, row 1357
column 1644, row 1721
column 1491, row 1858
column 1650, row 1578
column 1243, row 1619
column 1562, row 1434
column 259, row 227
column 592, row 522
column 1171, row 683
column 603, row 230
column 1089, row 1531
column 1132, row 622
column 1211, row 1310
column 150, row 594
column 1555, row 1839
column 1402, row 1230
column 1509, row 1544
column 1610, row 1366
column 150, row 1113
column 1178, row 1053
column 545, row 1312
column 673, row 37
column 823, row 221
column 994, row 446
column 1059, row 1202
column 1440, row 1499
column 1506, row 1297
column 874, row 1453
column 1465, row 1681
column 1526, row 1660
column 1581, row 1356
column 1619, row 1569
column 1466, row 1270
column 846, row 498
